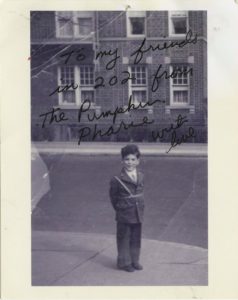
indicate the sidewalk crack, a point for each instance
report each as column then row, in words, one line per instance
column 80, row 264
column 184, row 263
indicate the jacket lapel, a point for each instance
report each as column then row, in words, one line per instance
column 125, row 177
column 139, row 177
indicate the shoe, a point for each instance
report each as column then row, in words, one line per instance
column 127, row 268
column 137, row 266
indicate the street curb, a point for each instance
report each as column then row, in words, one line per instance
column 116, row 153
column 182, row 155
column 105, row 149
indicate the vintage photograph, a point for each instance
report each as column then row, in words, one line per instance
column 119, row 134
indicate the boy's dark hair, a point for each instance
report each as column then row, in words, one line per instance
column 130, row 149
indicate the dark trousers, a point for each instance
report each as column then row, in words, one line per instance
column 128, row 243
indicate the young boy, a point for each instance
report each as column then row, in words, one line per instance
column 126, row 193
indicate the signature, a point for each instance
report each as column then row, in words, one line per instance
column 175, row 139
column 182, row 139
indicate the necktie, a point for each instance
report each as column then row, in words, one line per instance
column 133, row 177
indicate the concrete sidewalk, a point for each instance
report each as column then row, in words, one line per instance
column 99, row 148
column 86, row 259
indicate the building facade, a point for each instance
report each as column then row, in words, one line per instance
column 105, row 72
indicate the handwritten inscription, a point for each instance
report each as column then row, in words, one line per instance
column 111, row 129
column 54, row 115
column 164, row 74
column 112, row 63
column 179, row 140
column 86, row 105
column 110, row 59
column 139, row 53
column 179, row 122
column 80, row 56
column 57, row 115
column 175, row 140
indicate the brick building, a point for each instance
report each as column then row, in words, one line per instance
column 96, row 56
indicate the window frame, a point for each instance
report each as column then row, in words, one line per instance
column 171, row 26
column 57, row 23
column 80, row 88
column 135, row 14
column 179, row 87
column 138, row 87
column 75, row 26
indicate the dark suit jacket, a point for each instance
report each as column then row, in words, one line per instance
column 128, row 209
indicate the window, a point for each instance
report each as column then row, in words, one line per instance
column 136, row 23
column 64, row 24
column 73, row 24
column 86, row 75
column 66, row 77
column 68, row 97
column 179, row 85
column 84, row 26
column 138, row 84
column 87, row 83
column 82, row 79
column 178, row 23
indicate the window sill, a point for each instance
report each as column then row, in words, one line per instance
column 179, row 35
column 191, row 108
column 137, row 36
column 76, row 106
column 64, row 37
column 148, row 108
column 75, row 38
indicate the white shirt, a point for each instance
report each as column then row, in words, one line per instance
column 132, row 175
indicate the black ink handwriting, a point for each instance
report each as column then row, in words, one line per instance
column 54, row 116
column 80, row 56
column 112, row 63
column 86, row 105
column 161, row 133
column 179, row 140
column 111, row 130
column 65, row 88
column 176, row 71
column 170, row 44
column 113, row 80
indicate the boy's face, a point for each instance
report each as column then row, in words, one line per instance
column 130, row 162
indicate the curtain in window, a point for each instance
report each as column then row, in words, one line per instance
column 69, row 97
column 180, row 96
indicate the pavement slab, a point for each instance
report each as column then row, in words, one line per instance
column 185, row 225
column 81, row 259
column 54, row 254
